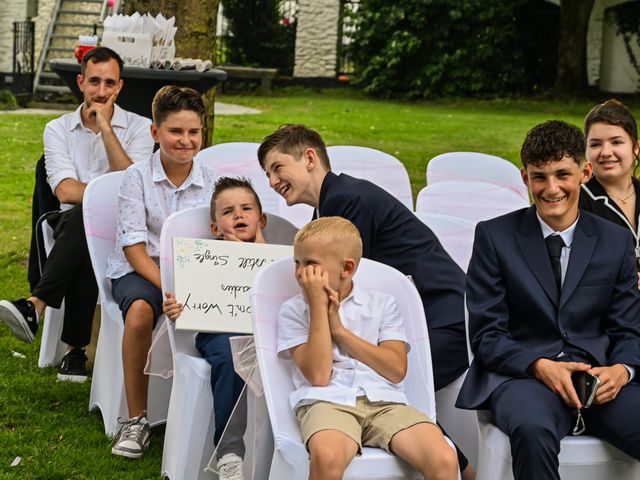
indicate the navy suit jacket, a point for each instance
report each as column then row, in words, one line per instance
column 517, row 316
column 393, row 235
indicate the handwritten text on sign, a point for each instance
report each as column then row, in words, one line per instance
column 213, row 281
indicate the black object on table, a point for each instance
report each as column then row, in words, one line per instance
column 141, row 84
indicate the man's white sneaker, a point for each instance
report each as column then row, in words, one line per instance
column 230, row 467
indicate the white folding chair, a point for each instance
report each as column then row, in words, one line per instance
column 240, row 159
column 581, row 458
column 473, row 201
column 100, row 211
column 188, row 441
column 52, row 349
column 378, row 167
column 455, row 235
column 274, row 285
column 476, row 167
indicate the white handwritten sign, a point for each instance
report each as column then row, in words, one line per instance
column 213, row 281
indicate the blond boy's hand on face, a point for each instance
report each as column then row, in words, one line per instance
column 314, row 283
column 171, row 307
column 335, row 324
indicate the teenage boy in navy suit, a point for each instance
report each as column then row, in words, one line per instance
column 295, row 160
column 537, row 316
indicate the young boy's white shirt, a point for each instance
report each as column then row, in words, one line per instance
column 373, row 316
column 73, row 151
column 147, row 197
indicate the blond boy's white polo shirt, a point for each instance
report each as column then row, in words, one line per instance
column 373, row 316
column 147, row 197
column 73, row 151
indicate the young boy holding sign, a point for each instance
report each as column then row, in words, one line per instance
column 236, row 215
column 151, row 191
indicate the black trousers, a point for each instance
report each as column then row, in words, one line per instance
column 536, row 419
column 68, row 275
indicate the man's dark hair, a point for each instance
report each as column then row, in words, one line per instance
column 551, row 141
column 100, row 55
column 293, row 139
column 172, row 99
column 612, row 112
column 226, row 183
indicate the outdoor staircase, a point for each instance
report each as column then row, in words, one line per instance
column 70, row 18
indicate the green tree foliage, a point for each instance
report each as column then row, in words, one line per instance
column 428, row 48
column 260, row 36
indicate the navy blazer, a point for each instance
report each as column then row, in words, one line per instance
column 393, row 235
column 517, row 316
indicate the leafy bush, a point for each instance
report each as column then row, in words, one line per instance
column 7, row 100
column 259, row 36
column 428, row 48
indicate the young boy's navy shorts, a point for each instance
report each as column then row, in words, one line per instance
column 131, row 287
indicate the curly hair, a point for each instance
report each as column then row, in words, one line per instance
column 551, row 141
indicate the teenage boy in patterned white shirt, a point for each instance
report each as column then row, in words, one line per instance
column 171, row 180
column 349, row 352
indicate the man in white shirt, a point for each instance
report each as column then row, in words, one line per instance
column 97, row 138
column 551, row 293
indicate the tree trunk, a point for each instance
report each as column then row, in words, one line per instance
column 572, row 54
column 195, row 38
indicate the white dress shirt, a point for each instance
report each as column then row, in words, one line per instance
column 147, row 197
column 73, row 151
column 371, row 315
column 567, row 238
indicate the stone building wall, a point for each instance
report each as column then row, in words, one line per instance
column 317, row 38
column 42, row 20
column 11, row 11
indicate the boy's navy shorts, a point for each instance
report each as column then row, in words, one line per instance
column 132, row 287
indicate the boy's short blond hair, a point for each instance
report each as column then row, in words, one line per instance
column 338, row 232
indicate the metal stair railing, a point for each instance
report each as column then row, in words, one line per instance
column 47, row 41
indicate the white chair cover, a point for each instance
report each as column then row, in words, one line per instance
column 274, row 285
column 100, row 210
column 378, row 167
column 240, row 159
column 476, row 167
column 473, row 201
column 581, row 458
column 188, row 443
column 455, row 235
column 52, row 349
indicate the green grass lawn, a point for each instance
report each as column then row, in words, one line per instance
column 46, row 422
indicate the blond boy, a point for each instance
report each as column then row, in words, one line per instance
column 349, row 352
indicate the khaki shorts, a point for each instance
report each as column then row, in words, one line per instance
column 369, row 424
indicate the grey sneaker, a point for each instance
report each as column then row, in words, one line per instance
column 20, row 316
column 230, row 467
column 133, row 437
column 74, row 366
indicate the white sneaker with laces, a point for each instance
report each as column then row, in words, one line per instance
column 133, row 437
column 230, row 467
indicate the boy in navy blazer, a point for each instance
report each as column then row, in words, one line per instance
column 295, row 159
column 534, row 320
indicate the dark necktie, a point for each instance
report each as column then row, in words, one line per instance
column 554, row 246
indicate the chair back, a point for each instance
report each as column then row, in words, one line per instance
column 476, row 167
column 472, row 201
column 455, row 235
column 240, row 159
column 100, row 214
column 378, row 167
column 276, row 283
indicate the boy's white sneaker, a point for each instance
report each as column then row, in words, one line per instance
column 133, row 437
column 230, row 467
